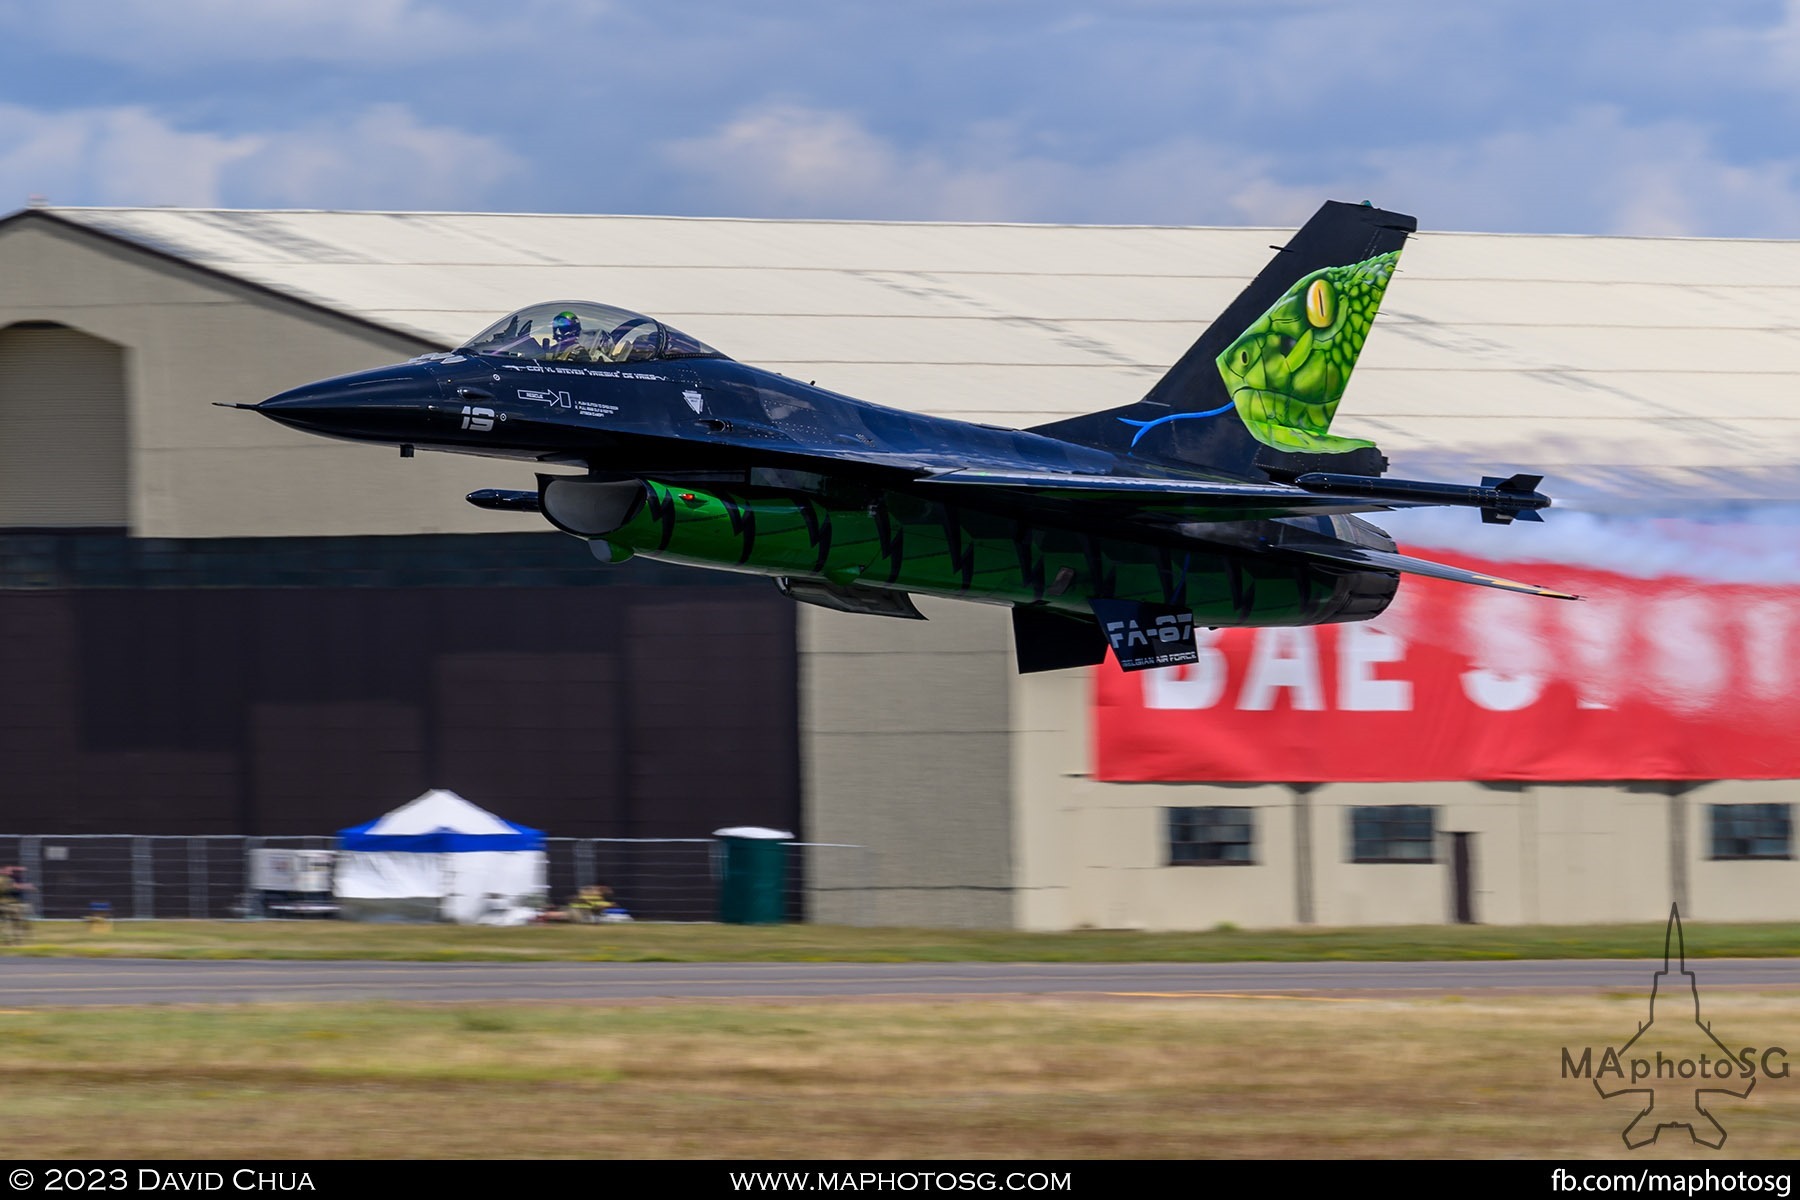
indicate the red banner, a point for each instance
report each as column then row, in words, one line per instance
column 1665, row 678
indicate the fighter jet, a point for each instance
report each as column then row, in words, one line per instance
column 1222, row 497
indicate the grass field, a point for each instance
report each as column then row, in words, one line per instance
column 1116, row 1078
column 647, row 942
column 1039, row 1079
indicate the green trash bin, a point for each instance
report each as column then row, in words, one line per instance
column 752, row 874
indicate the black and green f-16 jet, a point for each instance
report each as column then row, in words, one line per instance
column 1222, row 497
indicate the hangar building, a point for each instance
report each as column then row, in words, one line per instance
column 209, row 623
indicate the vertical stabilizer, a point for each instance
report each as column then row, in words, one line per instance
column 1254, row 397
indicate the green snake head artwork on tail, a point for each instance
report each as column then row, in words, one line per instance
column 1287, row 372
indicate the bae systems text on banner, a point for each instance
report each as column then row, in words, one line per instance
column 1663, row 678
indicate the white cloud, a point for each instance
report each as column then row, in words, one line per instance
column 1167, row 113
column 791, row 160
column 174, row 34
column 1766, row 54
column 112, row 156
column 381, row 158
column 1593, row 171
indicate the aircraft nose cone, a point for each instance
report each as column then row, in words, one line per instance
column 389, row 404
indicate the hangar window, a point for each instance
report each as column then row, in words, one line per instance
column 1211, row 837
column 1752, row 831
column 1393, row 833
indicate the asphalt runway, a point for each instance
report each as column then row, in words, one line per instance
column 41, row 982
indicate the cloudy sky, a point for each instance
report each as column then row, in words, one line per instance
column 1655, row 116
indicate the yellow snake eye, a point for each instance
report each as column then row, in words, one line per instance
column 1321, row 304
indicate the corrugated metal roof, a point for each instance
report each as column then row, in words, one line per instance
column 1619, row 365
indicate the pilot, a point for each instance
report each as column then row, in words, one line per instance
column 565, row 336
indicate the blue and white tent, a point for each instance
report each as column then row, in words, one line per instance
column 440, row 858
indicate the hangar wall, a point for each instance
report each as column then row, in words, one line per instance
column 906, row 730
column 917, row 739
column 138, row 704
column 192, row 339
column 254, row 631
column 1096, row 855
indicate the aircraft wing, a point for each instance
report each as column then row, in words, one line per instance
column 1313, row 494
column 1193, row 500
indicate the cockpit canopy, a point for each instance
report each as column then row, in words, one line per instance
column 582, row 332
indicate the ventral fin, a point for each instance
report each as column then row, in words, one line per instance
column 1147, row 635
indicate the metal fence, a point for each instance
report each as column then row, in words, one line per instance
column 174, row 877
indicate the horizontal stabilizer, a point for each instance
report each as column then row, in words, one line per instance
column 851, row 598
column 1387, row 560
column 1147, row 635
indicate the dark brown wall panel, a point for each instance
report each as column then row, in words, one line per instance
column 649, row 711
